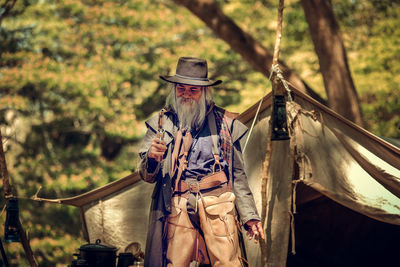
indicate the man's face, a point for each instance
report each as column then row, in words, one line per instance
column 189, row 107
column 187, row 93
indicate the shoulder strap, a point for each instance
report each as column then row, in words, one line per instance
column 214, row 135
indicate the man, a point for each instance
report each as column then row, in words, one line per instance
column 192, row 151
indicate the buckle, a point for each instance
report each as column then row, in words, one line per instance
column 219, row 168
column 194, row 187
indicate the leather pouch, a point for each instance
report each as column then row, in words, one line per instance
column 220, row 212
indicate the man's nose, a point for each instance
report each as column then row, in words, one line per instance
column 187, row 94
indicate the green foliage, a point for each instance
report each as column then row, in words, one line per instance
column 77, row 79
column 372, row 36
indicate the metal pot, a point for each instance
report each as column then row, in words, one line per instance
column 125, row 259
column 98, row 255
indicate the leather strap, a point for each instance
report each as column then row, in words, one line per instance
column 175, row 152
column 214, row 136
column 207, row 182
column 187, row 143
column 183, row 143
column 215, row 149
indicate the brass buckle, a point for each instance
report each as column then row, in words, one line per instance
column 194, row 187
column 216, row 162
column 219, row 166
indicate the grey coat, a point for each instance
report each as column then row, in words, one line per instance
column 161, row 197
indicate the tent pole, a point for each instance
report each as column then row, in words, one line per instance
column 278, row 35
column 8, row 195
column 277, row 48
column 266, row 165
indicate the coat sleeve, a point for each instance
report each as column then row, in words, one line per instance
column 244, row 198
column 149, row 169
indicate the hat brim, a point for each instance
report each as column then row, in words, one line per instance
column 175, row 79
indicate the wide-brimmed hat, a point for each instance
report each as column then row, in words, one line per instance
column 193, row 71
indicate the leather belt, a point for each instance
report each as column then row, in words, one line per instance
column 207, row 182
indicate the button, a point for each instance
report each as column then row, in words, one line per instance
column 164, row 185
column 198, row 178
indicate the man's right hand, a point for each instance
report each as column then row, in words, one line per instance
column 255, row 230
column 157, row 149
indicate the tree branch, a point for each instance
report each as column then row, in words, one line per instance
column 6, row 8
column 243, row 43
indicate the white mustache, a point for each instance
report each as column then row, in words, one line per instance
column 191, row 113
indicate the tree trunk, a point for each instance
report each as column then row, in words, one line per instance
column 252, row 51
column 325, row 33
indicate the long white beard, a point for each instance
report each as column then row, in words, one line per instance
column 191, row 113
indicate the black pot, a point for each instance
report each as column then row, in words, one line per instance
column 98, row 255
column 125, row 259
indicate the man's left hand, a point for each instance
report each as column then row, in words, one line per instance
column 255, row 230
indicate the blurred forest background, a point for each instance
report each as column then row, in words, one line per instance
column 79, row 77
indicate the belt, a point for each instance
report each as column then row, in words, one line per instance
column 207, row 182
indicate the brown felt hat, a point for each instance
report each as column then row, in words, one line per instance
column 192, row 71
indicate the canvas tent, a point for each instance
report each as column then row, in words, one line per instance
column 328, row 160
column 333, row 192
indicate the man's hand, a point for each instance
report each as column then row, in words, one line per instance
column 157, row 149
column 255, row 230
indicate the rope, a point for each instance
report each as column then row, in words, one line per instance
column 257, row 112
column 293, row 233
column 275, row 69
column 252, row 124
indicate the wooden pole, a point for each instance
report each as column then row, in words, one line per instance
column 278, row 35
column 7, row 195
column 6, row 180
column 26, row 246
column 266, row 165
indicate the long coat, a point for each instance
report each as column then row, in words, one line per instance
column 159, row 174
